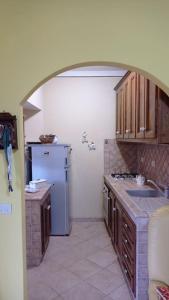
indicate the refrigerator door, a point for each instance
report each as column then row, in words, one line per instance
column 68, row 203
column 48, row 162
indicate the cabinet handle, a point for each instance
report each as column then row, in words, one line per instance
column 48, row 207
column 125, row 225
column 46, row 153
column 114, row 209
column 126, row 241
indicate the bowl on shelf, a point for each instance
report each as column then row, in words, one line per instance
column 47, row 138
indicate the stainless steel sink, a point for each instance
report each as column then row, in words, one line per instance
column 145, row 193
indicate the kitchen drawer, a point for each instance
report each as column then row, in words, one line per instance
column 129, row 259
column 129, row 277
column 129, row 244
column 128, row 227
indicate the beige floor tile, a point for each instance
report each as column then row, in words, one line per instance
column 84, row 268
column 41, row 292
column 101, row 241
column 73, row 266
column 115, row 268
column 120, row 293
column 83, row 291
column 105, row 281
column 102, row 258
column 86, row 249
column 61, row 281
column 110, row 249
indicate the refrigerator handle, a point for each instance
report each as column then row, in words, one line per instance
column 46, row 153
column 66, row 175
column 65, row 161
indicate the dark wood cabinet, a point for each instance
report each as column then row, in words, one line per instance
column 118, row 229
column 140, row 106
column 123, row 236
column 112, row 217
column 142, row 111
column 129, row 106
column 45, row 223
column 119, row 114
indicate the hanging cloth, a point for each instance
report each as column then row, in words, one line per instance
column 8, row 154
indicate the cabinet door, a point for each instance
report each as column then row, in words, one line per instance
column 119, row 114
column 132, row 106
column 163, row 117
column 118, row 229
column 126, row 103
column 150, row 110
column 140, row 107
column 45, row 223
column 112, row 228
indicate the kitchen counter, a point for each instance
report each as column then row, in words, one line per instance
column 139, row 210
column 37, row 225
column 40, row 195
column 137, row 207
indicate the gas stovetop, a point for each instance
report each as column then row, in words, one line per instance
column 124, row 175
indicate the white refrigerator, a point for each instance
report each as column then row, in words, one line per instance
column 52, row 162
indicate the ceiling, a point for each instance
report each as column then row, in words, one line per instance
column 94, row 71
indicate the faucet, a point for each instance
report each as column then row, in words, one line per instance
column 165, row 193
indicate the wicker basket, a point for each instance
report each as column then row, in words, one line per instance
column 47, row 138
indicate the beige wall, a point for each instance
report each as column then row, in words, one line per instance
column 37, row 39
column 34, row 125
column 74, row 105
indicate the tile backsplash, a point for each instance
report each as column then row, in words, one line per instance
column 119, row 157
column 152, row 161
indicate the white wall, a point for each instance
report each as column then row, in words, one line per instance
column 74, row 105
column 34, row 126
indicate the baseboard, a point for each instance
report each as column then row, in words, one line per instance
column 87, row 219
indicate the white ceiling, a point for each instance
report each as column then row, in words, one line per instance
column 91, row 71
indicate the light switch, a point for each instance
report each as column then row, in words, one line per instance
column 5, row 209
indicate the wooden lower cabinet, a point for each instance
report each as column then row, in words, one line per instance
column 45, row 223
column 123, row 237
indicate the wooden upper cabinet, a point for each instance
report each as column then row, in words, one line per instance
column 142, row 111
column 145, row 109
column 126, row 103
column 119, row 114
column 132, row 106
column 163, row 117
column 140, row 106
column 150, row 110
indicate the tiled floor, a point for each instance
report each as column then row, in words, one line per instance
column 81, row 266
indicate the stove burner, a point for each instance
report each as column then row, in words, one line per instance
column 124, row 175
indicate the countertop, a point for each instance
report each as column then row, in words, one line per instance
column 38, row 195
column 137, row 207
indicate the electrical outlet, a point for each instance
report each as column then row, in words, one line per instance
column 153, row 164
column 5, row 209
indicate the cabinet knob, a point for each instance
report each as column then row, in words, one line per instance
column 126, row 241
column 125, row 255
column 127, row 130
column 114, row 209
column 125, row 225
column 48, row 207
column 142, row 129
column 125, row 271
column 117, row 132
